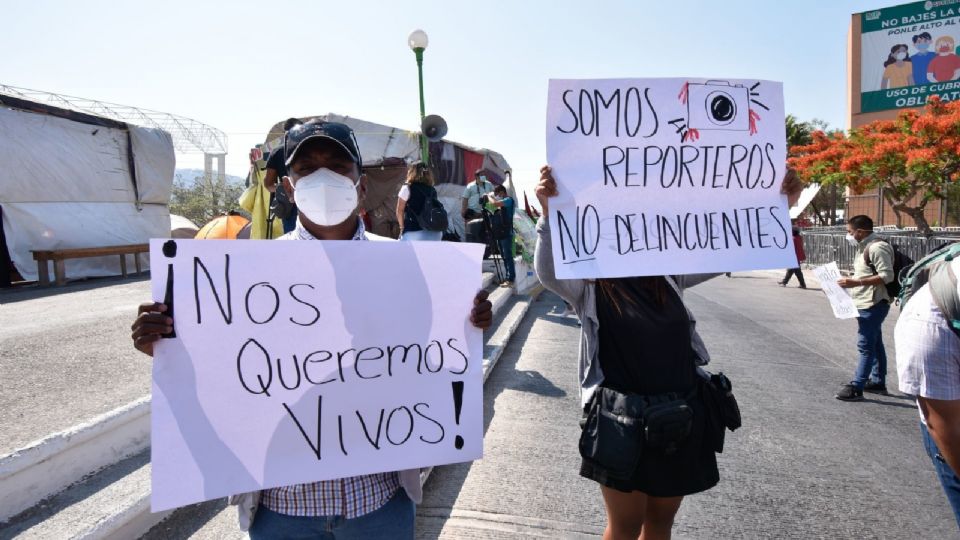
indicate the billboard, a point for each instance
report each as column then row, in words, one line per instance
column 909, row 53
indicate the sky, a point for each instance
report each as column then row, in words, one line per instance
column 243, row 66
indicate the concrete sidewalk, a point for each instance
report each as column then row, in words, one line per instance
column 803, row 466
column 66, row 356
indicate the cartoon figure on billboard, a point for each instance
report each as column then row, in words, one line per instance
column 921, row 58
column 946, row 65
column 897, row 70
column 717, row 105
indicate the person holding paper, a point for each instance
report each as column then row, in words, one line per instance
column 326, row 181
column 872, row 270
column 639, row 339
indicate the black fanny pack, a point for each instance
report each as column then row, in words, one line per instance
column 618, row 427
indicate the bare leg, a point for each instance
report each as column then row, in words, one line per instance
column 625, row 513
column 659, row 517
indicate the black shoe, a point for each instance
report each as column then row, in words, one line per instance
column 782, row 283
column 875, row 388
column 849, row 392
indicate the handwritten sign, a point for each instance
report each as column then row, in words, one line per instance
column 297, row 361
column 667, row 176
column 840, row 301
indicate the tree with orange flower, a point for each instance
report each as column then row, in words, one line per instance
column 912, row 158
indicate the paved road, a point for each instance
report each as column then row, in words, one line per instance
column 803, row 466
column 66, row 356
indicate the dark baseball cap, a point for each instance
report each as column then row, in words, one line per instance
column 339, row 133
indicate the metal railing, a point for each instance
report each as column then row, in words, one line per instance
column 824, row 247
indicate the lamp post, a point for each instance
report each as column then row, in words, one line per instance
column 418, row 43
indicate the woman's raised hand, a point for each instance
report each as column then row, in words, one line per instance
column 546, row 188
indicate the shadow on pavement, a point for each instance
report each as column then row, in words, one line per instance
column 534, row 382
column 33, row 292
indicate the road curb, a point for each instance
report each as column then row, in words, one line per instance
column 48, row 466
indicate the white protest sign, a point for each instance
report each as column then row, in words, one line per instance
column 299, row 361
column 840, row 301
column 667, row 176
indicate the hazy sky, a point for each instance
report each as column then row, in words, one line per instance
column 242, row 66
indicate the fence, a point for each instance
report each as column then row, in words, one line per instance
column 822, row 247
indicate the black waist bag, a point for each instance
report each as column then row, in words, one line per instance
column 723, row 413
column 618, row 427
column 612, row 436
column 667, row 422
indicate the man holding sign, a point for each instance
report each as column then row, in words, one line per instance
column 658, row 181
column 327, row 184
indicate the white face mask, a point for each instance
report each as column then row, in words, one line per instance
column 851, row 240
column 900, row 56
column 325, row 197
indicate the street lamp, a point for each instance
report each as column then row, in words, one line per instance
column 418, row 43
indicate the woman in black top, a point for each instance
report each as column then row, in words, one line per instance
column 647, row 348
column 413, row 195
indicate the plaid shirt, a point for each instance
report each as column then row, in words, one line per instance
column 928, row 352
column 348, row 497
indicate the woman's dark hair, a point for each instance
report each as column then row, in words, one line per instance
column 500, row 189
column 893, row 50
column 616, row 293
column 420, row 172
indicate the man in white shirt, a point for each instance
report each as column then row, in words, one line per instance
column 928, row 365
column 471, row 205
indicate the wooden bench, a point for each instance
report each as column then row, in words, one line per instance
column 59, row 255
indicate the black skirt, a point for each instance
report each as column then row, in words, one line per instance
column 690, row 469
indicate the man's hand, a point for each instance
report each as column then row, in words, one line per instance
column 482, row 314
column 546, row 188
column 791, row 187
column 151, row 324
column 847, row 283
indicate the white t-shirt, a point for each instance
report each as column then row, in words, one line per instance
column 474, row 191
column 404, row 192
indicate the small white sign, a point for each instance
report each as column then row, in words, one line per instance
column 840, row 301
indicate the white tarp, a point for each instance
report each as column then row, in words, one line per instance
column 67, row 185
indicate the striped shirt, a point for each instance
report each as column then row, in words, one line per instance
column 928, row 352
column 348, row 497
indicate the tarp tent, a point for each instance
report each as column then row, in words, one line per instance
column 76, row 180
column 386, row 151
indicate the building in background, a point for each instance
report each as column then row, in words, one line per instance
column 897, row 57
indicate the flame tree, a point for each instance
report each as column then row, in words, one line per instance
column 913, row 158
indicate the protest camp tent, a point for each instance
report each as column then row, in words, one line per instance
column 386, row 152
column 75, row 180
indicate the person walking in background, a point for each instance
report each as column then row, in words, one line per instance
column 801, row 256
column 505, row 204
column 411, row 200
column 280, row 204
column 872, row 269
column 928, row 365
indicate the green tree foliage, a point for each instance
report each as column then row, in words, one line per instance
column 204, row 199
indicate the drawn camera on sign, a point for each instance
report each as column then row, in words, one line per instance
column 718, row 105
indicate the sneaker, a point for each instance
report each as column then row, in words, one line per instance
column 875, row 388
column 506, row 284
column 849, row 392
